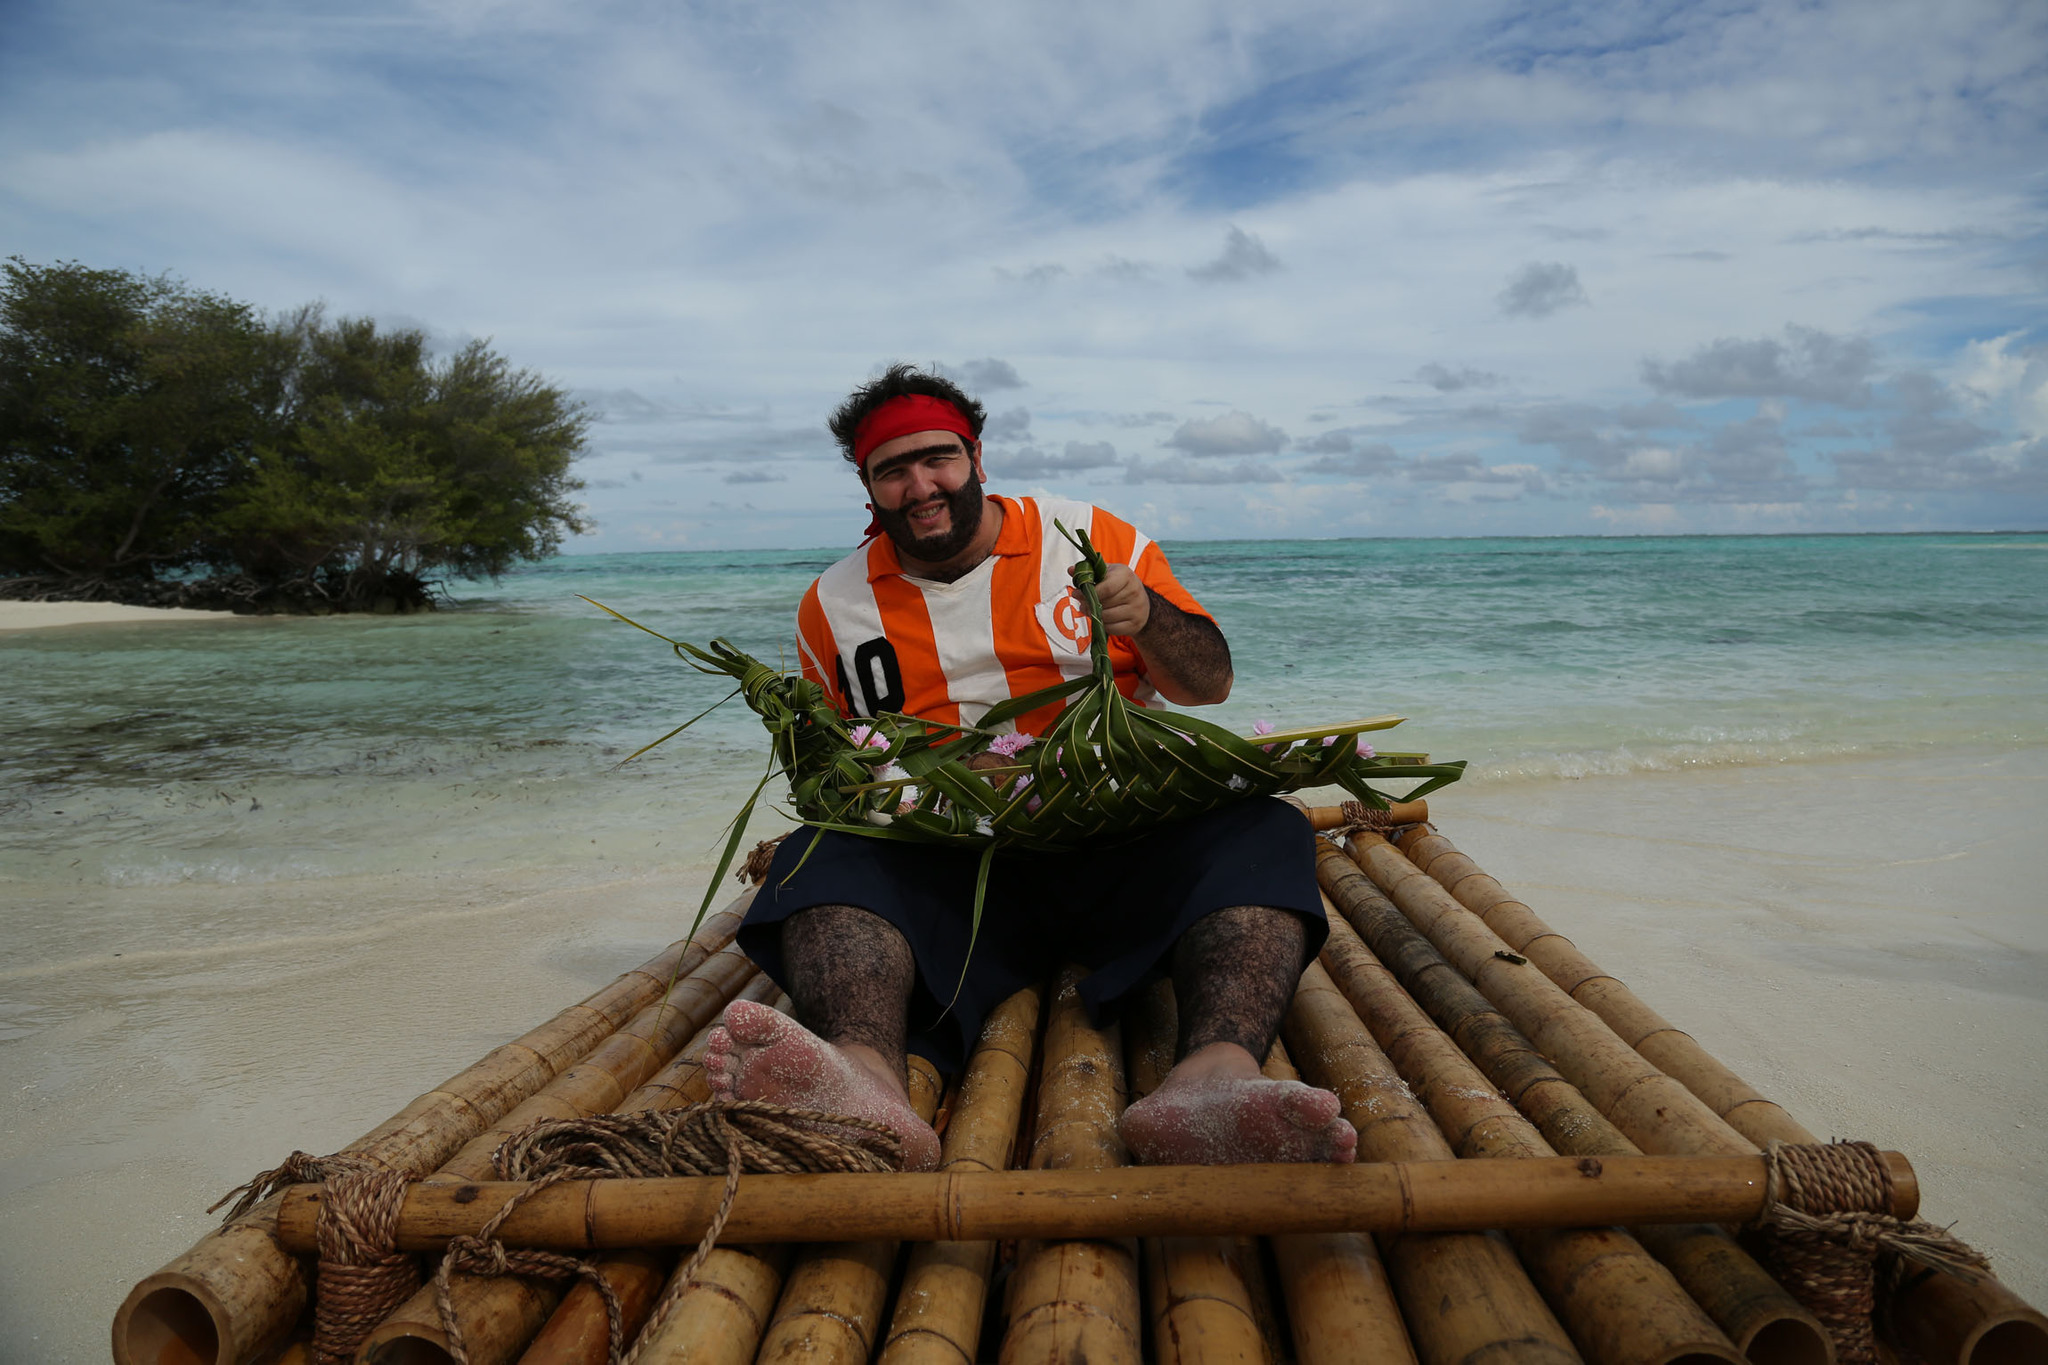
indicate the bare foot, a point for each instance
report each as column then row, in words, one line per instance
column 757, row 1053
column 1212, row 1111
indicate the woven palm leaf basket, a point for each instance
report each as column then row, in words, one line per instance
column 1106, row 771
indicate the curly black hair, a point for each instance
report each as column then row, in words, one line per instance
column 894, row 382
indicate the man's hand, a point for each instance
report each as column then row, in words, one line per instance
column 1185, row 656
column 1126, row 606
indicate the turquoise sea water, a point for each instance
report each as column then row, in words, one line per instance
column 486, row 736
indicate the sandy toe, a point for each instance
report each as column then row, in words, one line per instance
column 757, row 1053
column 1218, row 1120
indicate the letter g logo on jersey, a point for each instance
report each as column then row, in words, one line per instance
column 1065, row 620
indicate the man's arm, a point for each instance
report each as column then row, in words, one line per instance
column 1185, row 656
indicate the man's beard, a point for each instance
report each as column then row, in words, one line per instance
column 964, row 506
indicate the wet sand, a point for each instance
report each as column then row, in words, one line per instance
column 44, row 615
column 1864, row 944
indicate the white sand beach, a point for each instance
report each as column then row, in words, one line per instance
column 45, row 615
column 1867, row 948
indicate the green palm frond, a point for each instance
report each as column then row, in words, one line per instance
column 1106, row 771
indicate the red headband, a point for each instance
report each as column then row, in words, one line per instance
column 913, row 412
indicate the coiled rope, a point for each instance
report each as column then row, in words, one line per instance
column 363, row 1277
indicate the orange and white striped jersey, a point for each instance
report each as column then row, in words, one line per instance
column 879, row 640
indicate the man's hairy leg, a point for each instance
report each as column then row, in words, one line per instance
column 850, row 974
column 1234, row 973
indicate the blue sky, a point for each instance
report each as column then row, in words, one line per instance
column 1229, row 270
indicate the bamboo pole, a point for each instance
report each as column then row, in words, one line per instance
column 1942, row 1319
column 721, row 1317
column 579, row 1331
column 834, row 1297
column 1764, row 1321
column 1463, row 1295
column 236, row 1292
column 945, row 1284
column 1072, row 1299
column 1340, row 1304
column 1337, row 817
column 500, row 1314
column 1199, row 1306
column 1671, row 1051
column 718, row 1317
column 1656, row 1112
column 1619, row 1304
column 1436, row 1194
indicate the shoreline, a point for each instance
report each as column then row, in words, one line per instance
column 1863, row 945
column 1862, row 941
column 50, row 615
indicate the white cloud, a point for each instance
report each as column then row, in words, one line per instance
column 1234, row 433
column 1177, row 469
column 1540, row 288
column 1808, row 363
column 1029, row 462
column 1244, row 256
column 1644, row 518
column 983, row 376
column 1446, row 380
column 1012, row 424
column 1351, row 459
column 1653, row 462
column 2006, row 377
column 719, row 223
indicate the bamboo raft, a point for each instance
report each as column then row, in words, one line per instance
column 1548, row 1172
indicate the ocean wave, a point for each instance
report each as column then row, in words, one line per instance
column 1624, row 759
column 216, row 871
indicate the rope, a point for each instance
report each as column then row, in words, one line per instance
column 1360, row 817
column 362, row 1278
column 755, row 869
column 1826, row 1235
column 705, row 1139
column 482, row 1254
column 1825, row 1231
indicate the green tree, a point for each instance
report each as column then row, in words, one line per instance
column 393, row 468
column 146, row 426
column 128, row 405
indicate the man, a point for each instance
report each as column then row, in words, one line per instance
column 962, row 601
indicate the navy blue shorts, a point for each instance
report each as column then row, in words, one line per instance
column 1116, row 911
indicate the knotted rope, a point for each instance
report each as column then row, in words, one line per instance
column 717, row 1138
column 1360, row 817
column 755, row 870
column 1826, row 1228
column 362, row 1278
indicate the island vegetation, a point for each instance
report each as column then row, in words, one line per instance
column 164, row 445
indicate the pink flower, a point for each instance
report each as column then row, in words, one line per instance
column 1328, row 740
column 1008, row 745
column 1262, row 727
column 864, row 737
column 1366, row 750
